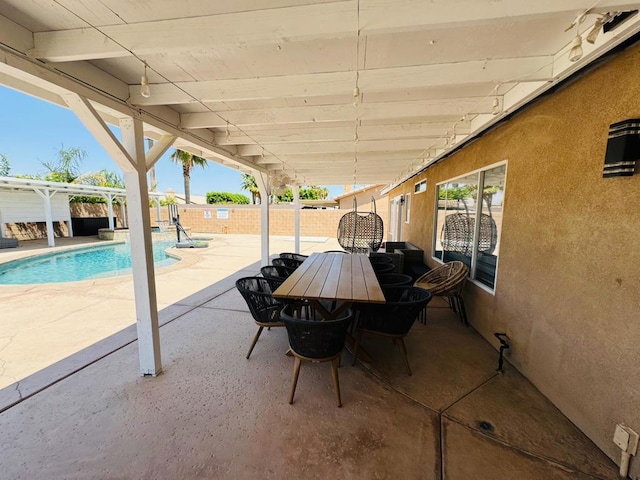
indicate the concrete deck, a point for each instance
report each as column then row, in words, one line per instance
column 213, row 414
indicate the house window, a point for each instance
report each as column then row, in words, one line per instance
column 407, row 207
column 468, row 225
column 420, row 187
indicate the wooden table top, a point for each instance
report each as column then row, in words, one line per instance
column 333, row 276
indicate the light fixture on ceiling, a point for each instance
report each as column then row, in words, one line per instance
column 575, row 53
column 495, row 107
column 145, row 91
column 595, row 30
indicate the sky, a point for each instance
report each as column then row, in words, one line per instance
column 32, row 131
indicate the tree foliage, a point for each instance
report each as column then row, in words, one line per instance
column 249, row 184
column 188, row 161
column 226, row 197
column 66, row 167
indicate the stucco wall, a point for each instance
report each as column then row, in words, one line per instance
column 568, row 283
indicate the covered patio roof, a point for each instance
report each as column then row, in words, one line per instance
column 309, row 91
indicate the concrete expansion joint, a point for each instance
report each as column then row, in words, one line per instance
column 488, row 436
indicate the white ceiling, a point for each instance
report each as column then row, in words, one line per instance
column 269, row 84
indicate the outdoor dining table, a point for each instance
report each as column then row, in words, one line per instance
column 331, row 282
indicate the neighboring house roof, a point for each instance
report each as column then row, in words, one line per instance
column 358, row 191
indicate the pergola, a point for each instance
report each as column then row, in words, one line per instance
column 293, row 91
column 46, row 191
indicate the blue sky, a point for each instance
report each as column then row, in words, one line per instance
column 32, row 131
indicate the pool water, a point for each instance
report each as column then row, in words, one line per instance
column 79, row 264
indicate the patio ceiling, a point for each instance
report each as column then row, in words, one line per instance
column 326, row 92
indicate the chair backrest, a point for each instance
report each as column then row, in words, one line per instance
column 457, row 234
column 445, row 279
column 383, row 268
column 398, row 314
column 380, row 259
column 295, row 256
column 394, row 280
column 312, row 337
column 276, row 274
column 257, row 292
column 287, row 262
column 360, row 233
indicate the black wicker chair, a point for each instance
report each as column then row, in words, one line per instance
column 315, row 340
column 395, row 280
column 287, row 262
column 295, row 256
column 383, row 268
column 264, row 309
column 393, row 319
column 380, row 259
column 458, row 230
column 276, row 274
column 361, row 233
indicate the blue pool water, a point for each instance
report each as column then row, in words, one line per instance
column 79, row 264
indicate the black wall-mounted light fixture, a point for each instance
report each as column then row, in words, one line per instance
column 623, row 149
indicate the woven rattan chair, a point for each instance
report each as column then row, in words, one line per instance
column 395, row 280
column 392, row 319
column 264, row 309
column 295, row 256
column 457, row 234
column 360, row 233
column 287, row 262
column 313, row 339
column 446, row 281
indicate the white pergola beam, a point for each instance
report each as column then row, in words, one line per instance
column 338, row 147
column 99, row 129
column 308, row 22
column 158, row 149
column 297, row 23
column 337, row 134
column 339, row 83
column 141, row 249
column 326, row 115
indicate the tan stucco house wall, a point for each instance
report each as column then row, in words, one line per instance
column 568, row 280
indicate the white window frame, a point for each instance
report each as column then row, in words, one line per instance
column 417, row 186
column 484, row 287
column 407, row 207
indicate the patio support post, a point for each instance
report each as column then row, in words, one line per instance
column 263, row 185
column 296, row 217
column 46, row 195
column 109, row 199
column 141, row 248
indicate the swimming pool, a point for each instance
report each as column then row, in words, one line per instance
column 79, row 264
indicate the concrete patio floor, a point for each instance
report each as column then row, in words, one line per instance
column 213, row 414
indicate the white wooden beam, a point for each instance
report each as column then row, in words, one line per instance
column 329, row 115
column 141, row 249
column 96, row 126
column 338, row 147
column 257, row 27
column 262, row 180
column 342, row 82
column 158, row 149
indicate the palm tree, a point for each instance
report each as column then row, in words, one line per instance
column 249, row 183
column 66, row 168
column 188, row 161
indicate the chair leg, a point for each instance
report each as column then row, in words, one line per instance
column 336, row 382
column 296, row 372
column 356, row 347
column 463, row 311
column 403, row 352
column 255, row 340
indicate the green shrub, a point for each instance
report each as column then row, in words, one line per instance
column 226, row 197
